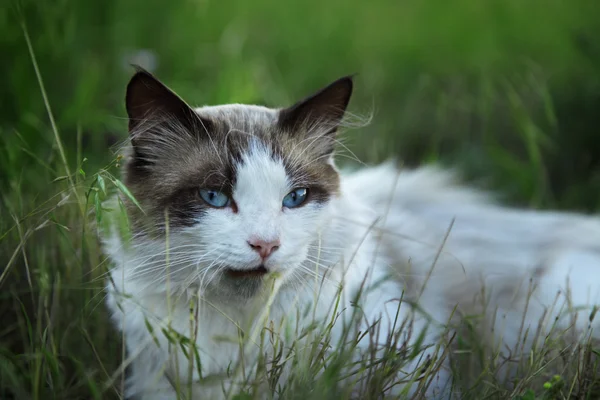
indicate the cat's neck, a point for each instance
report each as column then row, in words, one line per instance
column 346, row 241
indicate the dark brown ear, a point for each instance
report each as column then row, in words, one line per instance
column 324, row 108
column 148, row 99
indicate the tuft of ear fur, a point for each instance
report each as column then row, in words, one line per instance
column 157, row 115
column 319, row 114
column 149, row 98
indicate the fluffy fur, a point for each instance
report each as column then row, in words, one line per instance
column 381, row 232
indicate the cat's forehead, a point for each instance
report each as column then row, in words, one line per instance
column 251, row 119
column 253, row 135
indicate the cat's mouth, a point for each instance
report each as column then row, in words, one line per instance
column 257, row 272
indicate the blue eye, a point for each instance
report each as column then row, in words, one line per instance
column 214, row 198
column 295, row 198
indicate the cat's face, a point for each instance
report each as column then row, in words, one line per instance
column 238, row 191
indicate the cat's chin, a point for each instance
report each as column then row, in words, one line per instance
column 238, row 283
column 254, row 273
column 234, row 283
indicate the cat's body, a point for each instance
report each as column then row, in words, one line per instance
column 383, row 231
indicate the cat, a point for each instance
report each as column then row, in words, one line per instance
column 242, row 221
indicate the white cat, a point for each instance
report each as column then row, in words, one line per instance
column 245, row 224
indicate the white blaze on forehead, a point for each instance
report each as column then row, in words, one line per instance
column 261, row 184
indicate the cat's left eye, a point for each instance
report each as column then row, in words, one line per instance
column 215, row 198
column 295, row 198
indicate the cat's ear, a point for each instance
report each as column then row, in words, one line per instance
column 150, row 102
column 323, row 110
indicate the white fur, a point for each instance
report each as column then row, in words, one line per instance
column 441, row 241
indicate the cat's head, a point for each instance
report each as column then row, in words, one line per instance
column 240, row 191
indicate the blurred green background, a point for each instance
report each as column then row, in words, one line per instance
column 507, row 91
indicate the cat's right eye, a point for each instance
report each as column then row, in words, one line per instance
column 295, row 198
column 214, row 198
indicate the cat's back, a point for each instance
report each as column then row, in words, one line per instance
column 386, row 184
column 429, row 205
column 433, row 193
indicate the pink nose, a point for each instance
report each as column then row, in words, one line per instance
column 264, row 248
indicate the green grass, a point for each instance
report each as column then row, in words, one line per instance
column 506, row 90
